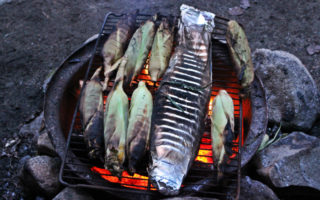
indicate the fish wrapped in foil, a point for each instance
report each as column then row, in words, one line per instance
column 181, row 102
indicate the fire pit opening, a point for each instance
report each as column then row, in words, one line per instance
column 77, row 170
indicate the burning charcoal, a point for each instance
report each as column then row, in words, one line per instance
column 72, row 194
column 40, row 174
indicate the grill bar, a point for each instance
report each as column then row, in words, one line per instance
column 223, row 78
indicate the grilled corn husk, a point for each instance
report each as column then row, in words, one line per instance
column 138, row 50
column 114, row 47
column 139, row 125
column 115, row 125
column 91, row 109
column 222, row 130
column 161, row 50
column 241, row 55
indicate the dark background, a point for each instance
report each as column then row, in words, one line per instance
column 36, row 36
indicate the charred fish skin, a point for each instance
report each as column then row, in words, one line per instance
column 161, row 50
column 115, row 125
column 240, row 53
column 181, row 103
column 139, row 125
column 114, row 47
column 91, row 110
column 222, row 130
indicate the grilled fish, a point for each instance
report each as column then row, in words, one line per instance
column 139, row 125
column 222, row 130
column 114, row 47
column 91, row 110
column 138, row 50
column 161, row 50
column 181, row 103
column 115, row 125
column 241, row 55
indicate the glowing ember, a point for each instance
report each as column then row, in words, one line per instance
column 136, row 181
column 140, row 182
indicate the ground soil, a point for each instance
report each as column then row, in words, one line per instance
column 36, row 36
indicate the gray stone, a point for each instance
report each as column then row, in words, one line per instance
column 33, row 127
column 291, row 92
column 255, row 190
column 40, row 175
column 71, row 194
column 315, row 130
column 45, row 146
column 189, row 198
column 291, row 161
column 4, row 1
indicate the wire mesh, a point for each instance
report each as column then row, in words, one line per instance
column 97, row 178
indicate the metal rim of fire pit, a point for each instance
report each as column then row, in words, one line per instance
column 76, row 65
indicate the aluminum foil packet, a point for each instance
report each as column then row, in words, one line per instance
column 197, row 19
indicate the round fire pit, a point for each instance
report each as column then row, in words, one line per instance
column 63, row 91
column 61, row 96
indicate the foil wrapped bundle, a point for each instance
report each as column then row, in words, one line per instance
column 181, row 102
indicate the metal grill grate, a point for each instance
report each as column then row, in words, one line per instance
column 77, row 170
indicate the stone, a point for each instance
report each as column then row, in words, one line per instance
column 41, row 175
column 71, row 194
column 189, row 198
column 4, row 1
column 45, row 146
column 292, row 95
column 33, row 127
column 255, row 190
column 291, row 161
column 315, row 130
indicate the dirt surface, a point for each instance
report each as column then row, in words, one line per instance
column 35, row 37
